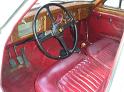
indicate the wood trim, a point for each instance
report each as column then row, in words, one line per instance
column 69, row 6
column 98, row 3
column 80, row 9
column 112, row 11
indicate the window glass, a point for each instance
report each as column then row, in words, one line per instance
column 74, row 0
column 7, row 12
column 112, row 3
column 41, row 3
column 122, row 5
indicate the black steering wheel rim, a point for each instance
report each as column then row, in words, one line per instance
column 36, row 34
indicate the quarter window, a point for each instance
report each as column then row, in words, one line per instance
column 115, row 3
column 122, row 5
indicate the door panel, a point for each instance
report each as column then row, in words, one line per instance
column 106, row 23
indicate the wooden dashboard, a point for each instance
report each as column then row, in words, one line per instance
column 80, row 10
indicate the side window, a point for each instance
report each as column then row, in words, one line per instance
column 115, row 4
column 122, row 4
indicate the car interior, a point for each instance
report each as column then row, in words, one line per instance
column 63, row 46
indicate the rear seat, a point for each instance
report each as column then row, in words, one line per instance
column 104, row 51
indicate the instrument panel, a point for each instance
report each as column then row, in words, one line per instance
column 23, row 30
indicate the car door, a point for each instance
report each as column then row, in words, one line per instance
column 108, row 19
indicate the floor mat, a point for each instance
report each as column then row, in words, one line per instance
column 21, row 80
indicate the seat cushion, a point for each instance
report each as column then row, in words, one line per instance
column 104, row 51
column 77, row 73
column 47, row 80
column 80, row 73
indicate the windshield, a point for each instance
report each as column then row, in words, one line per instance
column 63, row 0
column 41, row 3
column 8, row 12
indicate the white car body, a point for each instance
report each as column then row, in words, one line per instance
column 117, row 79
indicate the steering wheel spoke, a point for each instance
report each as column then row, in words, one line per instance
column 50, row 15
column 63, row 44
column 44, row 36
column 56, row 31
column 68, row 24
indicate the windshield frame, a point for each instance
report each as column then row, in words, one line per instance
column 11, row 16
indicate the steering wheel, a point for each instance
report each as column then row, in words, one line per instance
column 56, row 31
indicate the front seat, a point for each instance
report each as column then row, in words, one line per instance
column 104, row 51
column 47, row 82
column 81, row 73
column 77, row 73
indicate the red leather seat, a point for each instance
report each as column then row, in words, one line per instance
column 79, row 73
column 104, row 51
column 47, row 81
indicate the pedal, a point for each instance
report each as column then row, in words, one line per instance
column 18, row 57
column 20, row 60
column 12, row 62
